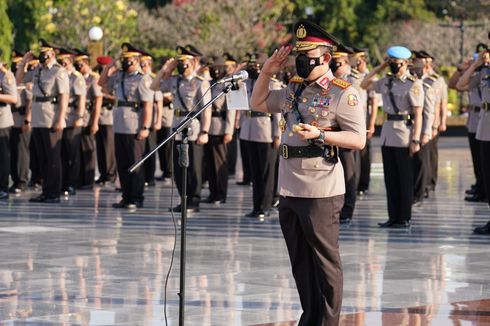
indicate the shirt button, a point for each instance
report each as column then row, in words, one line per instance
column 316, row 166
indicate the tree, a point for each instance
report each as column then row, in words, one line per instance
column 6, row 28
column 24, row 15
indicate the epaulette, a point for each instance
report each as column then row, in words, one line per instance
column 389, row 74
column 296, row 79
column 431, row 77
column 426, row 85
column 411, row 78
column 153, row 75
column 354, row 75
column 94, row 74
column 77, row 73
column 200, row 77
column 341, row 83
column 275, row 80
column 435, row 75
column 355, row 71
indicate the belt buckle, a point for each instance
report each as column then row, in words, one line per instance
column 249, row 114
column 285, row 151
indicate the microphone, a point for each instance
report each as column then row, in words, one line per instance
column 242, row 75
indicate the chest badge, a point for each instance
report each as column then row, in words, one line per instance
column 282, row 125
column 324, row 113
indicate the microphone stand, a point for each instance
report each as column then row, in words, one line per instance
column 183, row 151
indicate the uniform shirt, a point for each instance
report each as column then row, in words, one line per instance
column 130, row 87
column 474, row 101
column 167, row 112
column 106, row 118
column 47, row 81
column 428, row 110
column 225, row 124
column 330, row 103
column 260, row 129
column 193, row 95
column 7, row 86
column 440, row 92
column 407, row 93
column 24, row 97
column 93, row 91
column 77, row 89
column 483, row 130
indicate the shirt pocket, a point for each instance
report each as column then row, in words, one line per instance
column 316, row 164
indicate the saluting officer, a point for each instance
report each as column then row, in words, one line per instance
column 311, row 180
column 20, row 135
column 90, row 120
column 132, row 121
column 51, row 91
column 403, row 100
column 188, row 93
column 260, row 132
column 8, row 96
column 72, row 134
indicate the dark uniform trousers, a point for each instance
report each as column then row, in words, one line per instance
column 232, row 153
column 365, row 167
column 151, row 163
column 262, row 162
column 398, row 175
column 247, row 169
column 48, row 149
column 485, row 164
column 106, row 159
column 216, row 153
column 70, row 156
column 4, row 159
column 34, row 164
column 311, row 229
column 477, row 167
column 165, row 152
column 19, row 157
column 434, row 161
column 128, row 151
column 87, row 158
column 421, row 168
column 194, row 172
column 349, row 163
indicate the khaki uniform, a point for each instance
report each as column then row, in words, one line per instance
column 165, row 152
column 151, row 142
column 396, row 135
column 7, row 86
column 483, row 130
column 106, row 160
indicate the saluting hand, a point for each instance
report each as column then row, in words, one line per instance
column 277, row 61
column 308, row 131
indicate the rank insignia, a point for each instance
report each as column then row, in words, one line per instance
column 317, row 116
column 312, row 110
column 304, row 100
column 282, row 125
column 324, row 113
column 352, row 100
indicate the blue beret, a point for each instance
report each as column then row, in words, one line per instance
column 399, row 52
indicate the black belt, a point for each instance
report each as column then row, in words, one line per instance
column 221, row 114
column 131, row 104
column 287, row 151
column 399, row 117
column 108, row 104
column 180, row 113
column 21, row 110
column 44, row 99
column 254, row 114
column 476, row 109
column 485, row 106
column 2, row 104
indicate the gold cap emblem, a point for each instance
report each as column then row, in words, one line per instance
column 125, row 48
column 301, row 31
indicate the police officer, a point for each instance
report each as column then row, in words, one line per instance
column 132, row 121
column 104, row 138
column 231, row 65
column 340, row 66
column 72, row 134
column 403, row 98
column 220, row 135
column 8, row 96
column 260, row 132
column 188, row 91
column 20, row 135
column 50, row 94
column 311, row 180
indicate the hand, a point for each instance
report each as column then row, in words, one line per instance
column 370, row 132
column 276, row 143
column 227, row 138
column 202, row 139
column 94, row 128
column 424, row 140
column 78, row 122
column 435, row 131
column 241, row 66
column 276, row 62
column 142, row 134
column 442, row 127
column 26, row 127
column 382, row 66
column 414, row 148
column 27, row 57
column 465, row 65
column 308, row 131
column 170, row 65
column 58, row 126
column 157, row 125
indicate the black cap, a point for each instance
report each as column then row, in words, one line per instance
column 218, row 61
column 16, row 56
column 81, row 54
column 480, row 47
column 62, row 53
column 184, row 53
column 342, row 51
column 46, row 46
column 425, row 55
column 309, row 36
column 129, row 51
column 192, row 49
column 256, row 57
column 229, row 57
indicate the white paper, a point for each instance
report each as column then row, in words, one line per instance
column 238, row 100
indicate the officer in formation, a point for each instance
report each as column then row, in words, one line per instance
column 133, row 114
column 479, row 70
column 403, row 98
column 8, row 97
column 187, row 89
column 231, row 65
column 319, row 112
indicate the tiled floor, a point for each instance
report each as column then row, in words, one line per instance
column 84, row 263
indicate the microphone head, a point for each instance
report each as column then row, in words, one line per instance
column 243, row 75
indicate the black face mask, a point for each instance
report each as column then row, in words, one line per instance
column 181, row 68
column 43, row 57
column 253, row 72
column 217, row 72
column 305, row 65
column 13, row 68
column 125, row 64
column 77, row 66
column 395, row 67
column 335, row 65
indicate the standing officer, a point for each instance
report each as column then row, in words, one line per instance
column 90, row 120
column 72, row 134
column 403, row 98
column 188, row 93
column 220, row 136
column 260, row 131
column 8, row 96
column 311, row 180
column 232, row 153
column 132, row 121
column 104, row 138
column 50, row 93
column 20, row 135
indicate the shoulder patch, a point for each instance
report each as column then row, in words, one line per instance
column 341, row 83
column 296, row 79
column 352, row 100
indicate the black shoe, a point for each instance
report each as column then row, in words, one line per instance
column 470, row 191
column 386, row 224
column 70, row 191
column 417, row 203
column 39, row 199
column 34, row 184
column 17, row 189
column 150, row 183
column 401, row 225
column 475, row 198
column 51, row 200
column 345, row 220
column 100, row 181
column 86, row 187
column 208, row 200
column 121, row 204
column 244, row 183
column 190, row 209
column 252, row 214
column 361, row 193
column 482, row 229
column 426, row 193
column 4, row 195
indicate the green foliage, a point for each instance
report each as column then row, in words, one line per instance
column 6, row 28
column 24, row 15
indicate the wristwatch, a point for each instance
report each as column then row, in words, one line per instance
column 416, row 141
column 145, row 128
column 320, row 140
column 204, row 132
column 26, row 122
